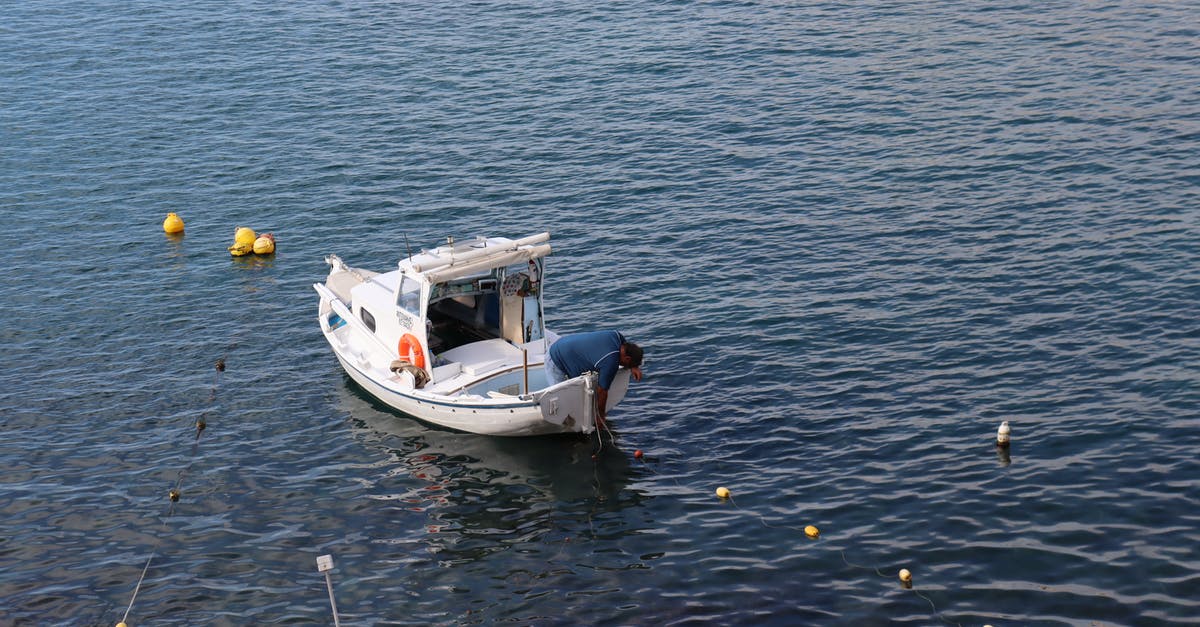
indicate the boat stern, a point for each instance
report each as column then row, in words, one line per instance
column 570, row 404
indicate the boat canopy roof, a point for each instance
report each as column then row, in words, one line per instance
column 476, row 256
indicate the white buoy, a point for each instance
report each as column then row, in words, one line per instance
column 1002, row 435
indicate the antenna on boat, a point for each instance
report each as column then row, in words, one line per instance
column 407, row 247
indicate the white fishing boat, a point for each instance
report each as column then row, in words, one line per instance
column 455, row 336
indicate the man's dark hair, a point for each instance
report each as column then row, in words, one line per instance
column 634, row 352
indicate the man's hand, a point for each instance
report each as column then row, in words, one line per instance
column 636, row 372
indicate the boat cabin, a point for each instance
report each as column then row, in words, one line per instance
column 456, row 295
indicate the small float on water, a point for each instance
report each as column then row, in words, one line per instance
column 455, row 336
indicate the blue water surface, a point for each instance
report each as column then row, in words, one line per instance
column 853, row 240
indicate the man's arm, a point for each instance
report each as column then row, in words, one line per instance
column 601, row 404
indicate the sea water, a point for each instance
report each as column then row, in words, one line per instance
column 853, row 240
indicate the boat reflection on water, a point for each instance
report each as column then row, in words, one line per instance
column 467, row 496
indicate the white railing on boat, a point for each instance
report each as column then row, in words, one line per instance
column 471, row 255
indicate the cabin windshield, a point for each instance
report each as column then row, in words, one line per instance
column 409, row 298
column 464, row 310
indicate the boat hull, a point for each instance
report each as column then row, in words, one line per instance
column 564, row 408
column 508, row 419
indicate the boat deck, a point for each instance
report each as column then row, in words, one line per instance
column 467, row 364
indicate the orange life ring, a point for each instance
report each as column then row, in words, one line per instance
column 411, row 351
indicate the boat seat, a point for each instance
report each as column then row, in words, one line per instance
column 446, row 370
column 483, row 350
column 480, row 367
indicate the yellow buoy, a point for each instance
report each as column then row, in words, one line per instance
column 723, row 492
column 905, row 578
column 173, row 223
column 812, row 532
column 265, row 244
column 244, row 235
column 237, row 250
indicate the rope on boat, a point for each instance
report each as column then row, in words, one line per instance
column 175, row 492
column 813, row 534
column 600, row 439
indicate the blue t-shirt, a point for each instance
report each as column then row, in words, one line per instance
column 584, row 352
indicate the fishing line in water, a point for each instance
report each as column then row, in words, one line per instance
column 153, row 552
column 611, row 438
column 599, row 445
column 812, row 533
column 601, row 429
column 175, row 493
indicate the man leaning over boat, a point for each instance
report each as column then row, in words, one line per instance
column 604, row 352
